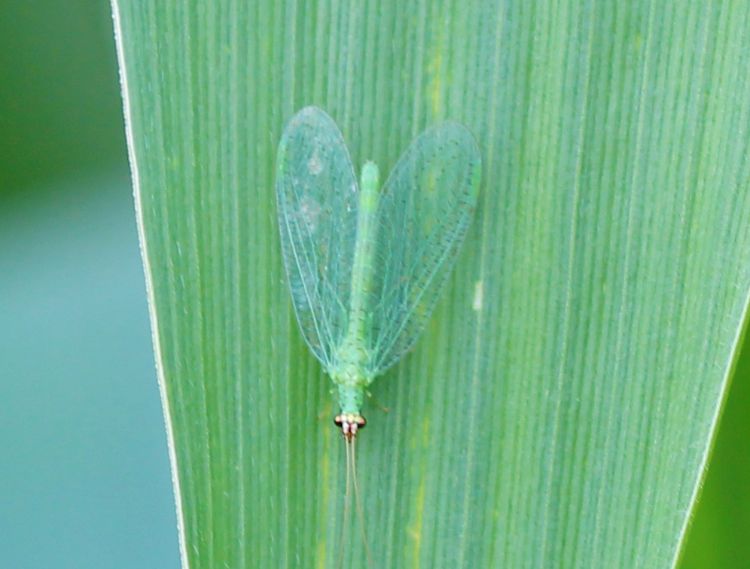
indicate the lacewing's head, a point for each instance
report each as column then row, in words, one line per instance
column 349, row 423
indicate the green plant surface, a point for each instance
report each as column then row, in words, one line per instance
column 560, row 407
column 718, row 532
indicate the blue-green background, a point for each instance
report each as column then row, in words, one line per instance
column 84, row 481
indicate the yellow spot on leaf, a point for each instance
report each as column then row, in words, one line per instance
column 321, row 554
column 415, row 529
column 435, row 86
column 325, row 485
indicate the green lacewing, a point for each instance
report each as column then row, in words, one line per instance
column 365, row 265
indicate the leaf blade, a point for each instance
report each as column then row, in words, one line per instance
column 607, row 253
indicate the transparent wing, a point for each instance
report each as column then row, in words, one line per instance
column 425, row 208
column 316, row 193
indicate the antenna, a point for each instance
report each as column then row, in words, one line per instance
column 358, row 502
column 347, row 500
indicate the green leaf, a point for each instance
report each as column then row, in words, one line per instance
column 718, row 532
column 559, row 409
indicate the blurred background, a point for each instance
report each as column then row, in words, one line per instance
column 85, row 481
column 84, row 470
